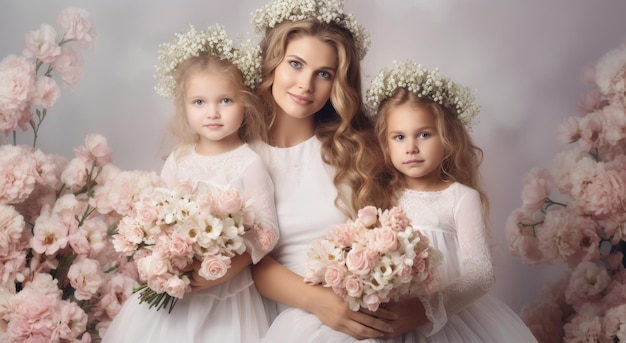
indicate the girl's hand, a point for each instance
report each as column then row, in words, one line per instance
column 335, row 312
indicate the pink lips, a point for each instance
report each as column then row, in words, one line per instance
column 413, row 162
column 300, row 99
column 213, row 126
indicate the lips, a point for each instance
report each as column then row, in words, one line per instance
column 300, row 99
column 413, row 162
column 213, row 126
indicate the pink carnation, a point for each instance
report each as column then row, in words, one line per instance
column 69, row 66
column 77, row 25
column 17, row 84
column 41, row 44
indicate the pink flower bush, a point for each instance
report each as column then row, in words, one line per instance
column 575, row 212
column 60, row 277
column 374, row 259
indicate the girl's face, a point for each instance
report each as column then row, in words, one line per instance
column 304, row 78
column 415, row 147
column 214, row 112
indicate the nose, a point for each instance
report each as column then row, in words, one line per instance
column 212, row 112
column 411, row 146
column 305, row 82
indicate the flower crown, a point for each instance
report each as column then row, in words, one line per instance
column 425, row 84
column 214, row 41
column 326, row 11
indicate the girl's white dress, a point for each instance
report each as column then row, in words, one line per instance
column 232, row 311
column 461, row 312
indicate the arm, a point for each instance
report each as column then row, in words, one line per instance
column 476, row 278
column 278, row 283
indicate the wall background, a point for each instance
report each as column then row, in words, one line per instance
column 525, row 58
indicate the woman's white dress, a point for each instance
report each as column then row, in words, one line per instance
column 461, row 312
column 232, row 311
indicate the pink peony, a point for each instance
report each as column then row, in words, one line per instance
column 537, row 187
column 86, row 277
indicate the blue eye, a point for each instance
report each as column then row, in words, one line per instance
column 295, row 64
column 324, row 74
column 398, row 138
column 424, row 135
column 227, row 101
column 198, row 102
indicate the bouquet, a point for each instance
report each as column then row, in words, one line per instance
column 574, row 213
column 60, row 279
column 374, row 259
column 170, row 229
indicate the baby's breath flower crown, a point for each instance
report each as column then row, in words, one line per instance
column 326, row 11
column 425, row 84
column 214, row 41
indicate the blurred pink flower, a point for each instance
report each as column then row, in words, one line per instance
column 46, row 92
column 41, row 44
column 77, row 25
column 69, row 66
column 17, row 84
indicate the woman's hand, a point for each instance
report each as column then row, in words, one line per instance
column 409, row 315
column 237, row 264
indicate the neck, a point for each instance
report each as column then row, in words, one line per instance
column 288, row 131
column 209, row 148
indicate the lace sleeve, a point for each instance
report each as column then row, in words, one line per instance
column 168, row 171
column 259, row 189
column 477, row 274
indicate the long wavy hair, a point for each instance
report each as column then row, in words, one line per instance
column 252, row 127
column 462, row 158
column 346, row 132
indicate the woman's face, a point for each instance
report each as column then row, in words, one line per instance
column 304, row 78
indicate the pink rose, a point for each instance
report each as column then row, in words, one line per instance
column 175, row 287
column 180, row 245
column 214, row 267
column 372, row 301
column 368, row 215
column 335, row 274
column 359, row 261
column 354, row 286
column 229, row 201
column 383, row 240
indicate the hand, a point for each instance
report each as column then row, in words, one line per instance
column 237, row 264
column 409, row 313
column 335, row 312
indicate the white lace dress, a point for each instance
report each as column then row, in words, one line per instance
column 232, row 311
column 304, row 195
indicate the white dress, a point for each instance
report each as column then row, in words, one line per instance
column 232, row 311
column 305, row 195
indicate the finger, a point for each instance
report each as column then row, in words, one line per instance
column 381, row 313
column 372, row 322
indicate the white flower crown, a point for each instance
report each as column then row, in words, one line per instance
column 425, row 84
column 326, row 11
column 214, row 41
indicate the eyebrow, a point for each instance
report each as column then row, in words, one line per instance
column 301, row 60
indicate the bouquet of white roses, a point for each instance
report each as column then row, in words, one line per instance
column 166, row 230
column 374, row 259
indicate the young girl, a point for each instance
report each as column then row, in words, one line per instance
column 319, row 154
column 216, row 114
column 422, row 127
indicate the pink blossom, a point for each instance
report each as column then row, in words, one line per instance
column 359, row 261
column 343, row 234
column 590, row 131
column 12, row 224
column 18, row 173
column 175, row 287
column 229, row 201
column 75, row 174
column 582, row 329
column 46, row 92
column 591, row 101
column 69, row 66
column 587, row 282
column 614, row 123
column 354, row 286
column 335, row 274
column 563, row 164
column 368, row 215
column 267, row 238
column 49, row 235
column 611, row 74
column 537, row 187
column 96, row 150
column 614, row 323
column 41, row 44
column 86, row 277
column 77, row 25
column 568, row 131
column 521, row 237
column 372, row 301
column 383, row 239
column 17, row 84
column 214, row 267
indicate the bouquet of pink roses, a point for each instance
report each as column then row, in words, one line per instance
column 374, row 259
column 171, row 228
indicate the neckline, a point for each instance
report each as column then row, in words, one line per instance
column 441, row 191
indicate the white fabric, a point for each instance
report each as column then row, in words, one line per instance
column 304, row 195
column 232, row 311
